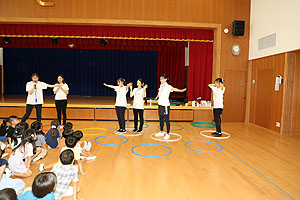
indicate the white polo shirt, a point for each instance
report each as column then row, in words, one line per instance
column 164, row 93
column 121, row 99
column 60, row 95
column 37, row 95
column 138, row 99
column 218, row 96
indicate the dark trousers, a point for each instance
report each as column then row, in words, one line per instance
column 136, row 113
column 61, row 107
column 121, row 116
column 217, row 118
column 164, row 117
column 29, row 108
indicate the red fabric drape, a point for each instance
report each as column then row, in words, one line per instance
column 171, row 61
column 105, row 31
column 200, row 70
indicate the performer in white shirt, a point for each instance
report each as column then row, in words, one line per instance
column 164, row 105
column 138, row 95
column 61, row 92
column 218, row 92
column 35, row 96
column 121, row 102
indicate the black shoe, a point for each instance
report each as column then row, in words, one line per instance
column 215, row 133
column 218, row 134
column 118, row 131
column 135, row 130
column 139, row 131
column 122, row 131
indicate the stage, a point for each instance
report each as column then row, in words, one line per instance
column 99, row 108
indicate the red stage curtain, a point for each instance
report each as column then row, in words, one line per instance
column 200, row 70
column 105, row 31
column 171, row 61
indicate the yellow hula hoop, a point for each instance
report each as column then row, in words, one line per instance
column 104, row 129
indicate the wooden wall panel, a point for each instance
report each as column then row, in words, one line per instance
column 175, row 115
column 203, row 116
column 275, row 63
column 5, row 112
column 235, row 95
column 296, row 101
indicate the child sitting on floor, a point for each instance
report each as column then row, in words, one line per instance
column 20, row 159
column 5, row 181
column 41, row 149
column 71, row 142
column 85, row 151
column 43, row 187
column 66, row 173
column 53, row 135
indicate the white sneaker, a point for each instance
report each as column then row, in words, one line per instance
column 8, row 146
column 8, row 173
column 3, row 146
column 91, row 158
column 42, row 167
column 36, row 159
column 167, row 137
column 159, row 134
column 4, row 155
column 89, row 146
column 85, row 145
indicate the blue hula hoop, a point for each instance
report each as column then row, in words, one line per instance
column 111, row 136
column 152, row 145
column 203, row 150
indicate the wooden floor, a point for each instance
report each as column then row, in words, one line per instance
column 255, row 164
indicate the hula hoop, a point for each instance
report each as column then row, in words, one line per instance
column 205, row 124
column 211, row 131
column 162, row 140
column 104, row 129
column 144, row 126
column 174, row 129
column 152, row 145
column 49, row 129
column 130, row 135
column 110, row 136
column 203, row 150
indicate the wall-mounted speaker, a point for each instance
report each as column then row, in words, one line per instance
column 238, row 28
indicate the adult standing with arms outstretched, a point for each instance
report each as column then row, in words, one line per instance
column 35, row 96
column 61, row 90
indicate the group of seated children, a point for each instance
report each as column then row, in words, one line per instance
column 31, row 144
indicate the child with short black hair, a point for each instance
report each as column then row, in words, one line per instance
column 3, row 130
column 66, row 133
column 13, row 120
column 84, row 152
column 41, row 149
column 20, row 159
column 8, row 194
column 53, row 135
column 66, row 173
column 43, row 187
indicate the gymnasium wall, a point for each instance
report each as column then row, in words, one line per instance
column 274, row 16
column 265, row 102
column 296, row 100
column 98, row 12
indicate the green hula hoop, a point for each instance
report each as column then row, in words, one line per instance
column 145, row 125
column 174, row 129
column 205, row 124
